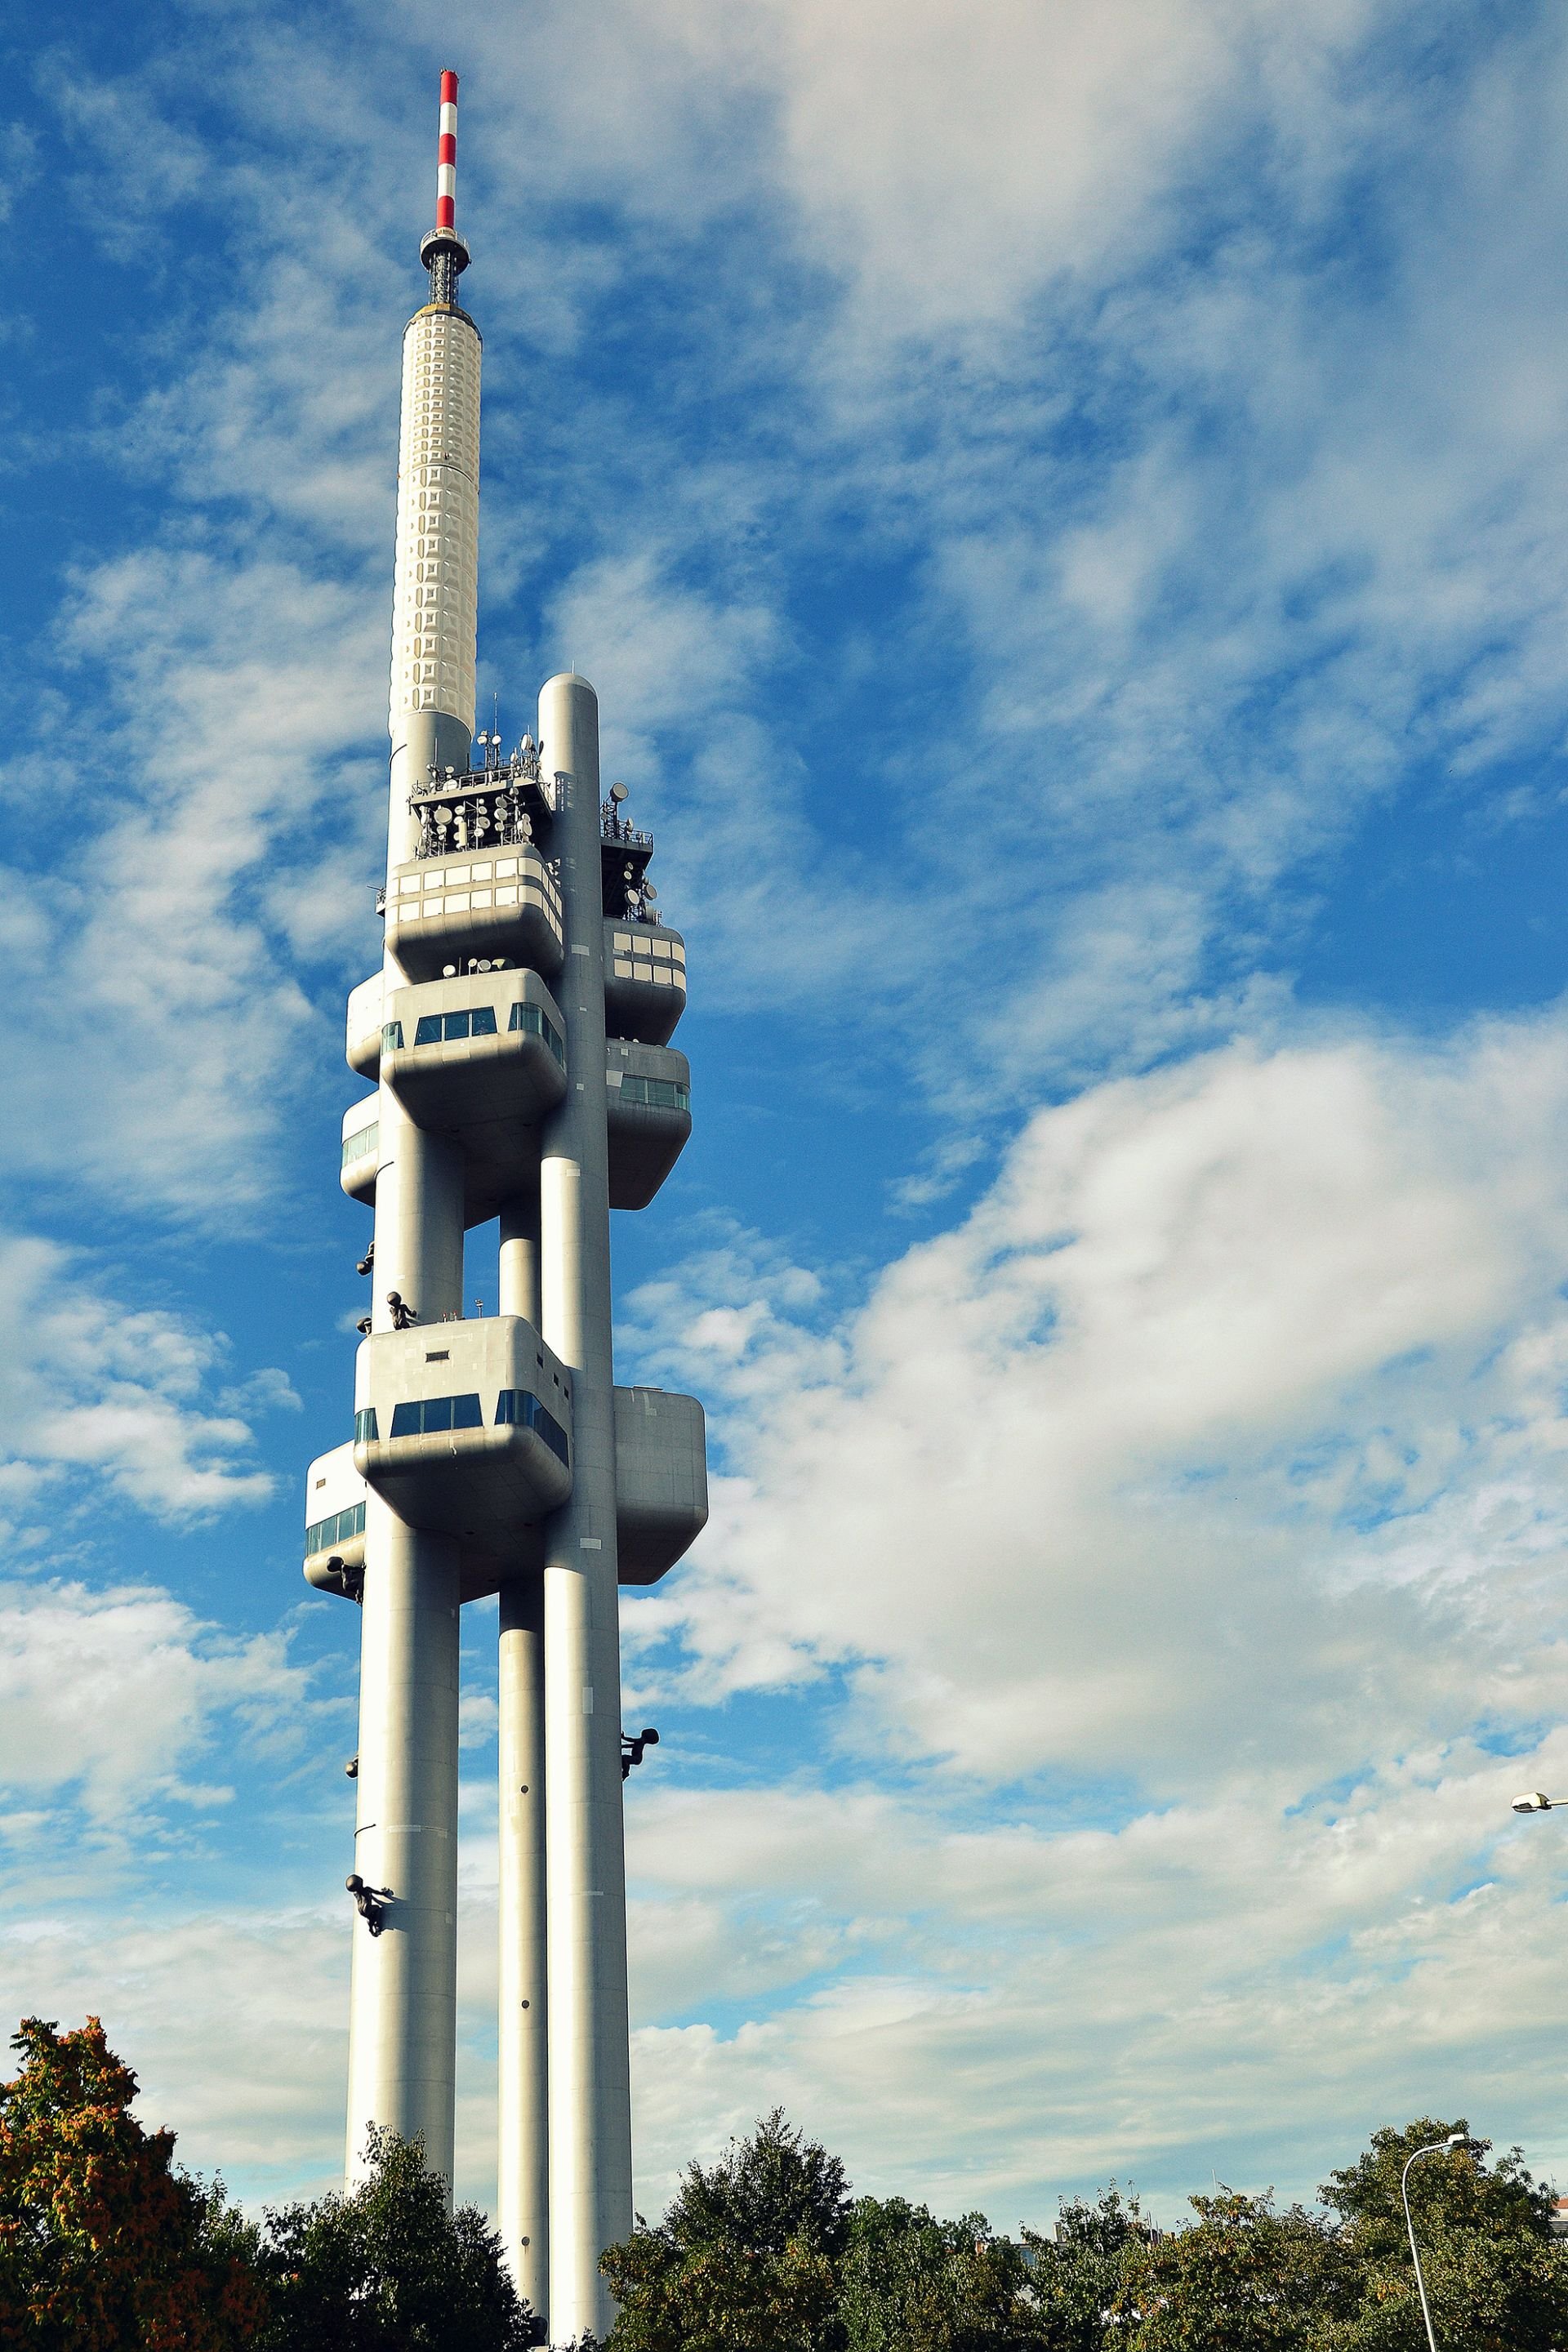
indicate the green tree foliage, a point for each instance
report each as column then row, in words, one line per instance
column 746, row 2258
column 1495, row 2280
column 1077, row 2273
column 908, row 2282
column 391, row 2268
column 1243, row 2278
column 764, row 2251
column 105, row 2245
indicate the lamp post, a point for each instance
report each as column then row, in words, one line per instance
column 1455, row 2139
column 1534, row 1802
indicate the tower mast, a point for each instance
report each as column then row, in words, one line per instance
column 517, row 1034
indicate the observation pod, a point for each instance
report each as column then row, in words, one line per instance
column 516, row 1039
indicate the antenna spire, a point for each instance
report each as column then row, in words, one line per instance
column 442, row 251
column 446, row 156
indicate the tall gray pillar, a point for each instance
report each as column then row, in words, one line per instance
column 590, row 2092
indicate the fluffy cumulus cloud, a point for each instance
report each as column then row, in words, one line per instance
column 1225, row 1354
column 98, row 1397
column 1202, row 1494
column 108, row 1692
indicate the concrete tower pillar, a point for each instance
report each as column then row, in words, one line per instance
column 589, row 2092
column 402, row 1996
column 523, row 2109
column 523, row 2169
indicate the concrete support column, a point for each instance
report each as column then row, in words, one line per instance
column 419, row 1219
column 590, row 2097
column 520, row 1256
column 402, row 2002
column 524, row 2119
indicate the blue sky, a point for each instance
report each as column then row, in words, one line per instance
column 1067, row 513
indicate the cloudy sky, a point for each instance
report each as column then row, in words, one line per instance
column 1067, row 510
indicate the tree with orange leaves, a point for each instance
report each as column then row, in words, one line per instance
column 105, row 2244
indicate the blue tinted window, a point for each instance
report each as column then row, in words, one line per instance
column 324, row 1533
column 391, row 1037
column 538, row 1024
column 365, row 1432
column 424, row 1417
column 429, row 1032
column 519, row 1409
column 362, row 1145
column 655, row 1094
column 484, row 1021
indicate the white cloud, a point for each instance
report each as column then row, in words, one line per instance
column 1192, row 1409
column 96, row 1396
column 112, row 1695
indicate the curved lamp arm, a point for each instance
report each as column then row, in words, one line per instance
column 1455, row 2139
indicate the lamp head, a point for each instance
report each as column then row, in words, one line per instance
column 1534, row 1801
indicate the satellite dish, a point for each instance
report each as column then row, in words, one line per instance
column 617, row 792
column 648, row 891
column 484, row 964
column 449, row 971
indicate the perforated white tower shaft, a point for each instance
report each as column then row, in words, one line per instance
column 435, row 611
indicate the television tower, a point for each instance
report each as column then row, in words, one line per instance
column 517, row 1034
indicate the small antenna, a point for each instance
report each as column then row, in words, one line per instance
column 447, row 155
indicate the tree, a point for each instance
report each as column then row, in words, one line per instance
column 1080, row 2272
column 1242, row 2278
column 910, row 2283
column 391, row 2268
column 104, row 2244
column 1495, row 2280
column 744, row 2260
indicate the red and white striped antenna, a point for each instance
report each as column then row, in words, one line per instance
column 446, row 156
column 441, row 249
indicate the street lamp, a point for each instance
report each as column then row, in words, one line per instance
column 1455, row 2139
column 1533, row 1801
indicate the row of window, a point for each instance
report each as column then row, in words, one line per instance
column 521, row 1409
column 535, row 873
column 657, row 975
column 447, row 1028
column 656, row 1094
column 429, row 1416
column 335, row 1530
column 663, row 951
column 435, row 1028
